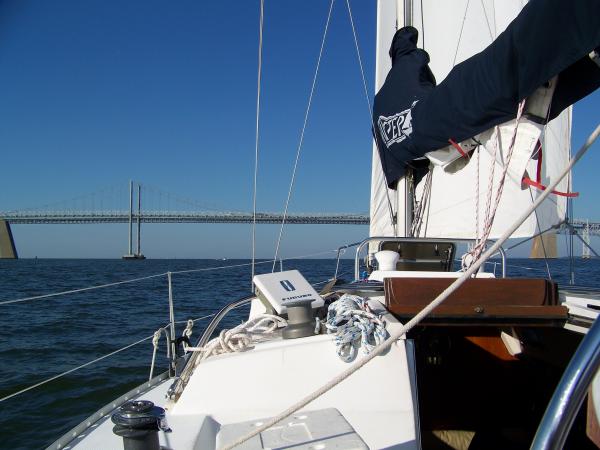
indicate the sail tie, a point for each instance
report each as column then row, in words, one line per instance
column 538, row 178
column 460, row 150
column 528, row 181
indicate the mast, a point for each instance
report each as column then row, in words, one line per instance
column 409, row 187
column 404, row 19
column 405, row 10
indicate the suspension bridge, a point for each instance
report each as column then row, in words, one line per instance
column 83, row 217
column 116, row 205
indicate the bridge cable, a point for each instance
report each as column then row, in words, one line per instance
column 312, row 90
column 260, row 46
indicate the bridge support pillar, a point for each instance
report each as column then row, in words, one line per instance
column 544, row 246
column 7, row 243
column 586, row 241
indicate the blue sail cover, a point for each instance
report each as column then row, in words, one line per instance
column 412, row 115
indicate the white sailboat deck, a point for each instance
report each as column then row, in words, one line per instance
column 377, row 401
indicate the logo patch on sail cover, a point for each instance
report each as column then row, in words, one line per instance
column 396, row 128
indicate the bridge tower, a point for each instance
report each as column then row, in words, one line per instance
column 585, row 235
column 7, row 243
column 138, row 254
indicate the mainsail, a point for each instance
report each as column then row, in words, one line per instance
column 456, row 196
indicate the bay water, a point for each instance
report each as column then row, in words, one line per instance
column 45, row 337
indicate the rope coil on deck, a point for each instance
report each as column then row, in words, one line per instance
column 354, row 325
column 242, row 337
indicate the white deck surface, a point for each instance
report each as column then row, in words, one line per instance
column 376, row 401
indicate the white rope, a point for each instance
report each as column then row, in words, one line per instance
column 490, row 213
column 260, row 46
column 423, row 313
column 155, row 340
column 312, row 91
column 60, row 375
column 354, row 326
column 422, row 205
column 242, row 337
column 187, row 333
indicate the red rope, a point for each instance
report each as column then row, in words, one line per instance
column 459, row 148
column 538, row 182
column 528, row 181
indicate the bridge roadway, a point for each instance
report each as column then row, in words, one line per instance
column 88, row 217
column 15, row 218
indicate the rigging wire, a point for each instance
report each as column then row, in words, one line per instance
column 260, row 47
column 133, row 280
column 461, row 32
column 298, row 151
column 362, row 72
column 487, row 21
column 74, row 291
column 537, row 221
column 531, row 237
column 60, row 375
column 369, row 107
column 422, row 27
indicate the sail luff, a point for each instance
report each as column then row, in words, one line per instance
column 382, row 198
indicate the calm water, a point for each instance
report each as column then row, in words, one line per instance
column 41, row 338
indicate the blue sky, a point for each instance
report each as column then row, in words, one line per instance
column 95, row 93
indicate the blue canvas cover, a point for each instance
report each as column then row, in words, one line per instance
column 412, row 115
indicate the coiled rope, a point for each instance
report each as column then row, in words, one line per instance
column 424, row 312
column 354, row 326
column 242, row 337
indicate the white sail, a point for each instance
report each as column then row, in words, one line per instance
column 383, row 198
column 451, row 32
